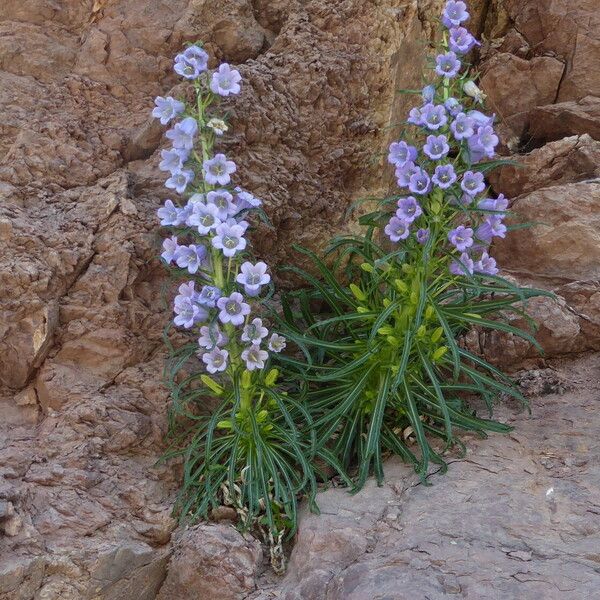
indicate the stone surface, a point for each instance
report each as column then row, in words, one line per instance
column 531, row 83
column 527, row 41
column 517, row 518
column 563, row 243
column 555, row 121
column 212, row 561
column 569, row 160
column 559, row 252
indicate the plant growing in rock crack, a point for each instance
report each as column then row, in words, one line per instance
column 247, row 452
column 387, row 372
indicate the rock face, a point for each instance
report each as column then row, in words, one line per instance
column 514, row 519
column 212, row 562
column 540, row 71
column 85, row 510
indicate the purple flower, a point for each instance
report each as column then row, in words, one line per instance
column 486, row 264
column 461, row 237
column 191, row 62
column 208, row 296
column 195, row 53
column 434, row 116
column 408, row 209
column 205, row 217
column 404, row 173
column 276, row 343
column 436, row 146
column 233, row 309
column 230, row 239
column 252, row 277
column 194, row 200
column 186, row 290
column 453, row 106
column 428, row 93
column 254, row 332
column 491, row 227
column 217, row 170
column 447, row 65
column 182, row 135
column 179, row 180
column 243, row 224
column 422, row 236
column 215, row 360
column 472, row 183
column 415, row 116
column 225, row 81
column 461, row 41
column 168, row 214
column 183, row 214
column 170, row 247
column 454, row 13
column 254, row 357
column 223, row 200
column 187, row 313
column 481, row 120
column 419, row 182
column 401, row 153
column 462, row 127
column 484, row 141
column 444, row 176
column 167, row 108
column 499, row 204
column 211, row 336
column 191, row 257
column 245, row 199
column 397, row 229
column 173, row 160
column 463, row 266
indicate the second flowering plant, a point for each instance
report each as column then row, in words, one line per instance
column 388, row 370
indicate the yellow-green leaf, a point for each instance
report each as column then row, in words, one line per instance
column 439, row 353
column 210, row 383
column 271, row 377
column 246, row 379
column 437, row 334
column 358, row 293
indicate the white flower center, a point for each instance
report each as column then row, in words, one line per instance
column 230, row 241
column 233, row 308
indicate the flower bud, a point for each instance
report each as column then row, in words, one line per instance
column 471, row 90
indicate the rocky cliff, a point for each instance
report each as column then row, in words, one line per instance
column 84, row 509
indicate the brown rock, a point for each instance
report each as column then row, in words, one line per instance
column 211, row 561
column 558, row 332
column 515, row 86
column 564, row 244
column 568, row 30
column 568, row 160
column 555, row 121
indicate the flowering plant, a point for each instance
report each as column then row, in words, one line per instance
column 248, row 451
column 388, row 367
